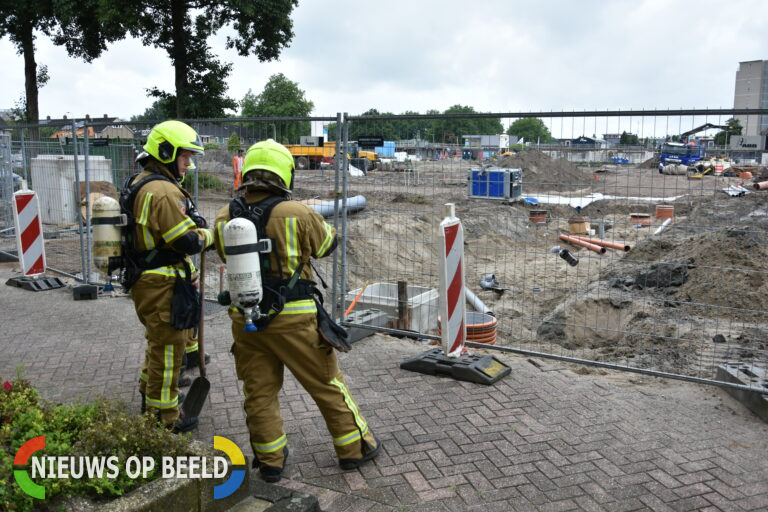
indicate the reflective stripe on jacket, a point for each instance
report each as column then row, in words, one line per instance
column 159, row 208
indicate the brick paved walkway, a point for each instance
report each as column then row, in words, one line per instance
column 545, row 438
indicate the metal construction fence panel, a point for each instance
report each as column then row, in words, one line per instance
column 689, row 294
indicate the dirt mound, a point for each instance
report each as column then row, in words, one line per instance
column 540, row 168
column 651, row 163
column 727, row 268
column 719, row 268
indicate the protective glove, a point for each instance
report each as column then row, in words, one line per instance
column 198, row 220
column 194, row 214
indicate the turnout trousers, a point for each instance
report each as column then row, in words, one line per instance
column 159, row 378
column 292, row 341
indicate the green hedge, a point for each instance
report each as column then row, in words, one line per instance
column 96, row 429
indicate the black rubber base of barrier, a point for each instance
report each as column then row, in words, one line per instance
column 750, row 375
column 35, row 284
column 85, row 292
column 470, row 368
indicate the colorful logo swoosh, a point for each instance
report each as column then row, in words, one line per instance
column 238, row 475
column 21, row 475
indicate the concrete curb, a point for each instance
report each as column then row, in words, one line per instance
column 194, row 495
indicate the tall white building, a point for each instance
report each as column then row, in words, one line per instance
column 752, row 92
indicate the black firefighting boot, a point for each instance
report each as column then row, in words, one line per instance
column 369, row 453
column 270, row 474
column 193, row 359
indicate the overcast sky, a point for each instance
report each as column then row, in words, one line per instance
column 497, row 56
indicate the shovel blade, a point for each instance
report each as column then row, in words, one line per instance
column 195, row 400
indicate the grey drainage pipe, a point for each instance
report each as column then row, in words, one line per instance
column 476, row 303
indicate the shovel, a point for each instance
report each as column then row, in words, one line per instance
column 198, row 391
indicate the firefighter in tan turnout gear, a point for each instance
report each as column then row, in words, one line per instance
column 163, row 235
column 290, row 338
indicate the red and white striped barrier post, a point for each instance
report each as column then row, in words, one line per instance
column 452, row 301
column 29, row 232
column 452, row 360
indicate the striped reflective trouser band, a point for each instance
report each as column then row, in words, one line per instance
column 191, row 348
column 362, row 426
column 143, row 376
column 295, row 307
column 277, row 444
column 165, row 401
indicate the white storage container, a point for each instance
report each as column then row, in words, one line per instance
column 422, row 304
column 53, row 178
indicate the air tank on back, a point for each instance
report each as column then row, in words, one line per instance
column 243, row 267
column 107, row 222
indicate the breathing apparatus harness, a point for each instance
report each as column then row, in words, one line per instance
column 134, row 262
column 277, row 291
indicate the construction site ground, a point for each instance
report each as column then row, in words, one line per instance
column 683, row 301
column 550, row 436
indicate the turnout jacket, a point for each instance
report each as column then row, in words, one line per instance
column 160, row 209
column 298, row 233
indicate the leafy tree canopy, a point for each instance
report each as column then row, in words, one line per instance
column 281, row 97
column 83, row 27
column 159, row 110
column 531, row 129
column 233, row 143
column 182, row 27
column 628, row 138
column 723, row 137
column 448, row 131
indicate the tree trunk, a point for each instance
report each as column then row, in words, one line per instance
column 178, row 54
column 30, row 78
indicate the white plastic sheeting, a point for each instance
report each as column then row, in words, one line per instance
column 581, row 202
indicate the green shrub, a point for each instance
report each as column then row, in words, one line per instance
column 233, row 143
column 211, row 145
column 204, row 181
column 90, row 430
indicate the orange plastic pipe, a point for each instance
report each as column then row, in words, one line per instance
column 354, row 302
column 582, row 243
column 761, row 186
column 604, row 243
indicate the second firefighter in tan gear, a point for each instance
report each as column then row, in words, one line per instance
column 291, row 339
column 164, row 236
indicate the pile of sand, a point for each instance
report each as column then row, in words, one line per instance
column 651, row 163
column 540, row 168
column 718, row 268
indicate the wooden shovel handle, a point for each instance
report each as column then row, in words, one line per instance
column 201, row 349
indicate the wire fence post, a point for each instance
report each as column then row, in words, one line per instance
column 87, row 203
column 335, row 310
column 345, row 190
column 79, row 198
